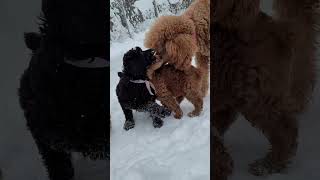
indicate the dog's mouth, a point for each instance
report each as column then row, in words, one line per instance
column 154, row 56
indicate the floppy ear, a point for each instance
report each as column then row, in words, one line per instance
column 32, row 40
column 180, row 50
column 154, row 67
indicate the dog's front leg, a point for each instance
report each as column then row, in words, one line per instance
column 129, row 122
column 157, row 110
column 157, row 122
column 58, row 163
column 171, row 103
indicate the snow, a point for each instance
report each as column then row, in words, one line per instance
column 178, row 150
column 144, row 5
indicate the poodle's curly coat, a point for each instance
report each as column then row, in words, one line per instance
column 173, row 85
column 264, row 69
column 178, row 38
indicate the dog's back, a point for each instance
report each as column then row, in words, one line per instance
column 178, row 81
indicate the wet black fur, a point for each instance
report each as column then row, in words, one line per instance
column 135, row 96
column 66, row 107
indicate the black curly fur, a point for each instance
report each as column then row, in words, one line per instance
column 66, row 107
column 135, row 96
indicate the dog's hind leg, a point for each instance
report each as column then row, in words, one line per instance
column 196, row 99
column 157, row 110
column 166, row 98
column 223, row 119
column 58, row 163
column 172, row 104
column 179, row 99
column 202, row 63
column 282, row 132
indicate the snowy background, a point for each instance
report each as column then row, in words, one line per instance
column 128, row 17
column 178, row 150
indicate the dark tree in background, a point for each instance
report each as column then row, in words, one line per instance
column 126, row 17
column 155, row 8
column 118, row 10
column 132, row 13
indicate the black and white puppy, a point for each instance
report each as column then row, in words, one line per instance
column 134, row 90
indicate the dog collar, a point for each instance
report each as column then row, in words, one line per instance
column 95, row 62
column 148, row 84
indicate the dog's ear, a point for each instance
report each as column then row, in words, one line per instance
column 180, row 51
column 120, row 74
column 150, row 71
column 32, row 40
column 137, row 48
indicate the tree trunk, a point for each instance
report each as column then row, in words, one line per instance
column 156, row 14
column 123, row 16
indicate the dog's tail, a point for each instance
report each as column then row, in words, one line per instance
column 303, row 17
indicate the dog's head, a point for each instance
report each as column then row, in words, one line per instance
column 136, row 61
column 174, row 39
column 78, row 26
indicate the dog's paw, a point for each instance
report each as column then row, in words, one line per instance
column 165, row 112
column 128, row 125
column 178, row 115
column 157, row 123
column 264, row 167
column 193, row 114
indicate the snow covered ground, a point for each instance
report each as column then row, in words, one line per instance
column 178, row 150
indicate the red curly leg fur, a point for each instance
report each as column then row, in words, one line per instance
column 196, row 99
column 281, row 131
column 179, row 99
column 223, row 119
column 172, row 104
column 202, row 63
column 166, row 98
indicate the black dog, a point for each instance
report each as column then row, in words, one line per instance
column 135, row 92
column 67, row 107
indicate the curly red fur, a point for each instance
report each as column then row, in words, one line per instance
column 264, row 71
column 173, row 85
column 173, row 37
